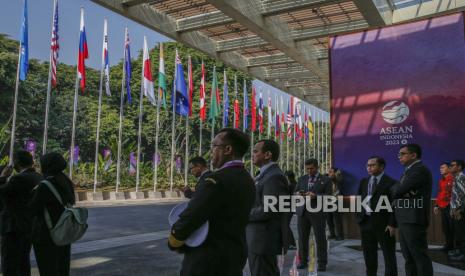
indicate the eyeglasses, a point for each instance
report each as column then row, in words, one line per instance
column 402, row 154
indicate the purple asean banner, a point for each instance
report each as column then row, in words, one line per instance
column 397, row 85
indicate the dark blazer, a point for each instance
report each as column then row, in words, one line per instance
column 224, row 199
column 16, row 195
column 415, row 184
column 188, row 193
column 267, row 231
column 383, row 218
column 322, row 186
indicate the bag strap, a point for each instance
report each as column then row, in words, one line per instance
column 48, row 220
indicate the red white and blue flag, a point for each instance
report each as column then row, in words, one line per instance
column 54, row 46
column 83, row 53
column 260, row 113
column 105, row 61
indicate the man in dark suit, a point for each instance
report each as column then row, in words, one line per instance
column 198, row 168
column 16, row 218
column 267, row 230
column 224, row 199
column 412, row 199
column 377, row 227
column 312, row 185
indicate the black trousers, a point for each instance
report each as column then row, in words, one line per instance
column 16, row 250
column 263, row 265
column 415, row 250
column 459, row 227
column 447, row 227
column 335, row 224
column 305, row 224
column 53, row 260
column 290, row 235
column 371, row 237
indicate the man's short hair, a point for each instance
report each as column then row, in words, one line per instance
column 413, row 148
column 379, row 160
column 198, row 160
column 23, row 158
column 459, row 163
column 446, row 163
column 239, row 141
column 311, row 161
column 271, row 146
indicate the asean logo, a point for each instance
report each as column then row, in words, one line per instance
column 395, row 112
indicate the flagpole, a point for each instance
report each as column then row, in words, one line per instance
column 15, row 104
column 97, row 136
column 326, row 146
column 287, row 147
column 186, row 159
column 73, row 130
column 49, row 88
column 172, row 126
column 120, row 129
column 293, row 144
column 157, row 127
column 139, row 132
column 235, row 99
column 251, row 153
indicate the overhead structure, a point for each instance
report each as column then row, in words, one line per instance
column 280, row 42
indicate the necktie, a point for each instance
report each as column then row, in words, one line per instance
column 371, row 187
column 311, row 181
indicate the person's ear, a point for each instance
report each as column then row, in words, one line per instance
column 228, row 149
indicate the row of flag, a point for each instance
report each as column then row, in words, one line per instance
column 293, row 120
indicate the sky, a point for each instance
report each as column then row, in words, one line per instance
column 40, row 18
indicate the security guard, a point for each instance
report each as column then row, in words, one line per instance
column 224, row 199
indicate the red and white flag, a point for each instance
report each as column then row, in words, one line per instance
column 190, row 81
column 147, row 79
column 203, row 108
column 54, row 46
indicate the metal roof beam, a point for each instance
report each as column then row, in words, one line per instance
column 328, row 30
column 284, row 6
column 130, row 3
column 240, row 43
column 271, row 29
column 377, row 13
column 203, row 21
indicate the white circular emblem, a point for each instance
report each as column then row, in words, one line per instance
column 395, row 112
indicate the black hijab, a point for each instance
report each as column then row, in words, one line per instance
column 52, row 166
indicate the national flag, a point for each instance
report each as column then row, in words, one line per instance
column 260, row 113
column 105, row 59
column 215, row 98
column 182, row 99
column 306, row 126
column 162, row 77
column 107, row 158
column 246, row 107
column 237, row 111
column 254, row 110
column 24, row 46
column 289, row 120
column 310, row 128
column 127, row 66
column 276, row 114
column 147, row 79
column 225, row 100
column 203, row 107
column 270, row 116
column 54, row 46
column 83, row 53
column 190, row 84
column 76, row 155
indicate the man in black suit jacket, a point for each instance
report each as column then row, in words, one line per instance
column 412, row 199
column 198, row 168
column 224, row 199
column 312, row 185
column 267, row 231
column 16, row 218
column 377, row 227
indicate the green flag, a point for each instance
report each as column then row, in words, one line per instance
column 215, row 98
column 162, row 78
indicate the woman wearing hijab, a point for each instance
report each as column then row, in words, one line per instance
column 52, row 260
column 292, row 183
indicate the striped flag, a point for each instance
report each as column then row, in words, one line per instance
column 24, row 46
column 127, row 66
column 246, row 107
column 237, row 111
column 289, row 120
column 203, row 108
column 54, row 46
column 260, row 113
column 270, row 116
column 105, row 59
column 83, row 53
column 147, row 79
column 276, row 114
column 190, row 84
column 162, row 77
column 225, row 100
column 254, row 110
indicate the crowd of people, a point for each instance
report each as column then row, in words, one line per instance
column 241, row 229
